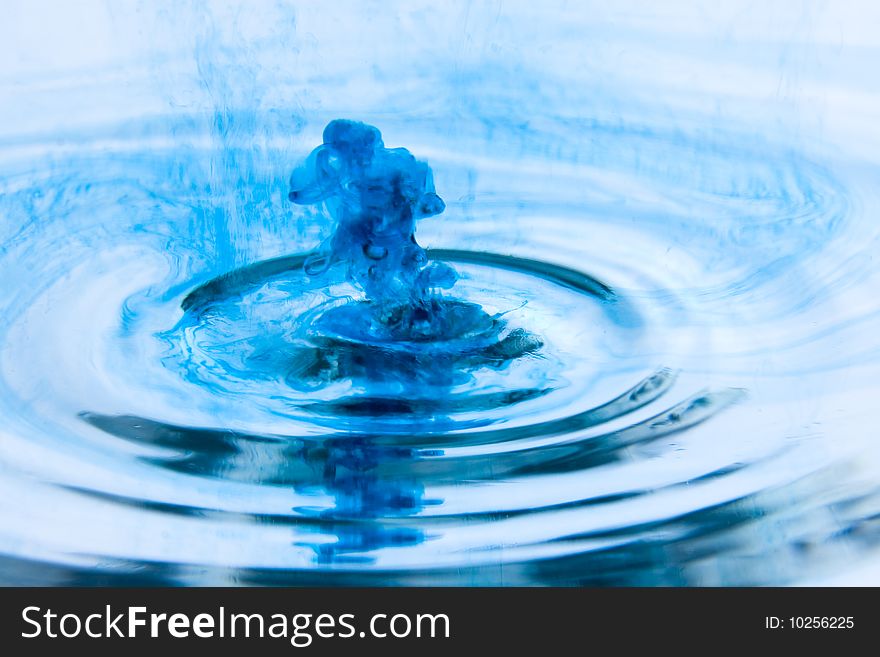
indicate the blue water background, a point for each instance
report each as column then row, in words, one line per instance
column 709, row 170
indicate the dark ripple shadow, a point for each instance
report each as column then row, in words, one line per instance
column 239, row 281
column 299, row 462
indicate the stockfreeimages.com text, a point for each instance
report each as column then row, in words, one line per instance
column 300, row 629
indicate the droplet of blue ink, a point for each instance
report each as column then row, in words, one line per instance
column 376, row 195
column 406, row 328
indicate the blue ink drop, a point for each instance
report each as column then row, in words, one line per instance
column 405, row 330
column 376, row 195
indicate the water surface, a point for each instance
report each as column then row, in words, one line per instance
column 675, row 360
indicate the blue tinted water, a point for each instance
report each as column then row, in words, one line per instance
column 633, row 344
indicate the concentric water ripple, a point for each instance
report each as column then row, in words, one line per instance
column 688, row 407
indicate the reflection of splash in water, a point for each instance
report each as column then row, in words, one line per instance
column 370, row 491
column 346, row 473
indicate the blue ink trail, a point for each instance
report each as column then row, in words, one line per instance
column 376, row 195
column 405, row 331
